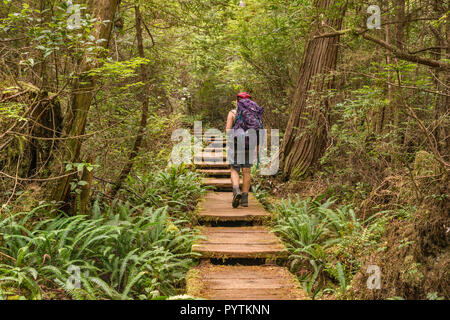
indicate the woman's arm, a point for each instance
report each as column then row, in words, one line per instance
column 230, row 120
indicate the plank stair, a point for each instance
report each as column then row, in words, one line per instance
column 252, row 243
column 241, row 242
column 219, row 183
column 215, row 172
column 216, row 207
column 217, row 282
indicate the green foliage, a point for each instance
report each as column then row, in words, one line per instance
column 198, row 54
column 434, row 296
column 261, row 194
column 357, row 132
column 118, row 70
column 176, row 187
column 140, row 249
column 123, row 252
column 324, row 240
column 11, row 110
column 53, row 35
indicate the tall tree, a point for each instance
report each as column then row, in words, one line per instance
column 83, row 91
column 441, row 34
column 142, row 96
column 306, row 132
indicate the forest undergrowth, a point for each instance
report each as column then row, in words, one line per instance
column 135, row 248
column 336, row 231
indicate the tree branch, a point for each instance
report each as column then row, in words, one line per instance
column 395, row 50
column 407, row 56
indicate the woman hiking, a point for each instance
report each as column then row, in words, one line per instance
column 243, row 125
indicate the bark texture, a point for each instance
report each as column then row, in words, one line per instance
column 83, row 92
column 306, row 133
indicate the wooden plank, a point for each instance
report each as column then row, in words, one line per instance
column 217, row 144
column 248, row 241
column 238, row 230
column 243, row 283
column 210, row 157
column 238, row 237
column 235, row 282
column 237, row 294
column 218, row 182
column 215, row 150
column 209, row 165
column 238, row 242
column 214, row 172
column 211, row 154
column 227, row 251
column 217, row 206
column 221, row 284
column 211, row 160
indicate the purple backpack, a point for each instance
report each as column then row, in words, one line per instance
column 249, row 116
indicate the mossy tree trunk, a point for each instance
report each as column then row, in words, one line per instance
column 442, row 79
column 82, row 93
column 306, row 133
column 44, row 130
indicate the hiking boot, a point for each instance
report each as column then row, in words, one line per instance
column 237, row 195
column 244, row 200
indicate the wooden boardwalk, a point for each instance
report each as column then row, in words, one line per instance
column 216, row 207
column 215, row 282
column 252, row 242
column 238, row 242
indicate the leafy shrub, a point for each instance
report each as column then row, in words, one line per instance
column 118, row 254
column 324, row 241
column 177, row 187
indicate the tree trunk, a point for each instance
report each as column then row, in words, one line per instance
column 87, row 177
column 441, row 127
column 399, row 39
column 306, row 133
column 144, row 100
column 391, row 115
column 82, row 93
column 387, row 111
column 46, row 125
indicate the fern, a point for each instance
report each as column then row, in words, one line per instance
column 318, row 236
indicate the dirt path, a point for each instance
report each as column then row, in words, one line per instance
column 238, row 251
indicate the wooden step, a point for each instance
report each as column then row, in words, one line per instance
column 211, row 165
column 219, row 183
column 215, row 150
column 217, row 144
column 238, row 242
column 216, row 206
column 215, row 140
column 209, row 138
column 215, row 172
column 210, row 157
column 215, row 282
